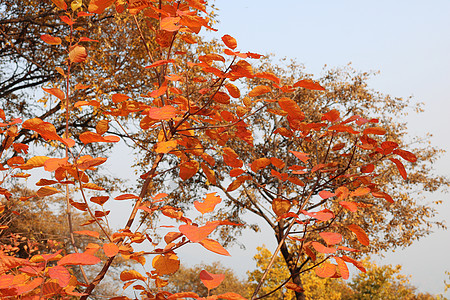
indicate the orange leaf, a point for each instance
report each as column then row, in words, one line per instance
column 374, row 130
column 368, row 168
column 78, row 54
column 231, row 296
column 117, row 98
column 51, row 39
column 331, row 116
column 214, row 246
column 221, row 97
column 110, row 249
column 52, row 164
column 259, row 90
column 302, row 156
column 360, row 192
column 236, row 172
column 326, row 194
column 259, row 164
column 322, row 249
column 269, row 76
column 309, row 85
column 166, row 264
column 131, row 275
column 60, row 274
column 89, row 233
column 56, row 92
column 325, row 270
column 183, row 295
column 160, row 63
column 78, row 259
column 166, row 147
column 345, row 274
column 209, row 173
column 164, row 113
column 278, row 163
column 208, row 204
column 331, row 238
column 170, row 24
column 126, row 197
column 47, row 191
column 61, row 4
column 292, row 108
column 229, row 41
column 196, row 234
column 93, row 137
column 281, row 206
column 233, row 90
column 360, row 234
column 400, row 167
column 323, row 215
column 211, row 281
column 351, row 206
column 188, row 169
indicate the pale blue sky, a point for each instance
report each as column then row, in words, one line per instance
column 407, row 41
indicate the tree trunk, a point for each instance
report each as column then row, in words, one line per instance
column 291, row 263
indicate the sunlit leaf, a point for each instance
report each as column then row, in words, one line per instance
column 78, row 259
column 208, row 204
column 164, row 113
column 325, row 270
column 51, row 39
column 309, row 85
column 166, row 264
column 77, row 54
column 229, row 41
column 360, row 234
column 110, row 249
column 214, row 246
column 131, row 275
column 331, row 238
column 210, row 280
column 281, row 206
column 259, row 90
column 47, row 191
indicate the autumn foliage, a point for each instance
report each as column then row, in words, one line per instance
column 314, row 182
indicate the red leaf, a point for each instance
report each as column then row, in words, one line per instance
column 85, row 39
column 164, row 113
column 51, row 39
column 126, row 197
column 374, row 130
column 331, row 238
column 331, row 116
column 117, row 98
column 214, row 246
column 211, row 281
column 406, row 155
column 360, row 234
column 229, row 41
column 208, row 204
column 400, row 167
column 61, row 4
column 323, row 215
column 78, row 259
column 188, row 169
column 196, row 234
column 309, row 85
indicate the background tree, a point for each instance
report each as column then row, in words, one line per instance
column 379, row 282
column 187, row 279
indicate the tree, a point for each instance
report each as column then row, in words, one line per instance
column 187, row 279
column 378, row 282
column 315, row 176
